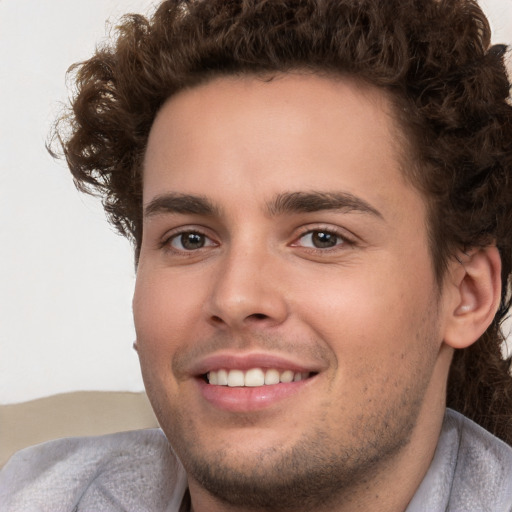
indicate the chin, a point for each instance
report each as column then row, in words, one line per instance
column 289, row 475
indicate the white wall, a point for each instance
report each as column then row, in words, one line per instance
column 65, row 279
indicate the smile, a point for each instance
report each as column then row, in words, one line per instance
column 254, row 377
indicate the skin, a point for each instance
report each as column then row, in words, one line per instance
column 366, row 315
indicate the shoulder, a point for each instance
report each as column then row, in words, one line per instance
column 471, row 471
column 114, row 472
column 483, row 471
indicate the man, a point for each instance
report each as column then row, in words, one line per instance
column 320, row 197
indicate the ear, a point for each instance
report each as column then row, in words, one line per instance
column 473, row 297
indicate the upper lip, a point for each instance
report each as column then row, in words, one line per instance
column 246, row 361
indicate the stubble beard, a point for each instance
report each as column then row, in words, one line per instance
column 327, row 466
column 316, row 472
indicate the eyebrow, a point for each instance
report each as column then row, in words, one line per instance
column 284, row 203
column 304, row 202
column 180, row 203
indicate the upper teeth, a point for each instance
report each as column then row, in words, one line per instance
column 253, row 377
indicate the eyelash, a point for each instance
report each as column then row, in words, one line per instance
column 342, row 240
column 167, row 242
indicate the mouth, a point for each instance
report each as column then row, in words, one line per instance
column 245, row 382
column 254, row 377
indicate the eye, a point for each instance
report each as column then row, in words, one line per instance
column 321, row 239
column 190, row 241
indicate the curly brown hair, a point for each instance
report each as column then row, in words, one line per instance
column 434, row 59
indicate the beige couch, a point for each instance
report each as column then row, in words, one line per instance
column 71, row 414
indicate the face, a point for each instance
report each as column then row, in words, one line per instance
column 287, row 315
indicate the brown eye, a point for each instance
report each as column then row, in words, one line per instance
column 321, row 239
column 190, row 241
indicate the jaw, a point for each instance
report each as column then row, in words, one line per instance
column 271, row 452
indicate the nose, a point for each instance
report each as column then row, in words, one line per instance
column 248, row 292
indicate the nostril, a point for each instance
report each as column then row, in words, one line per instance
column 255, row 317
column 258, row 316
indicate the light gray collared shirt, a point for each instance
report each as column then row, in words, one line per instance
column 137, row 471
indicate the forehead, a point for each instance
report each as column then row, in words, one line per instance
column 292, row 132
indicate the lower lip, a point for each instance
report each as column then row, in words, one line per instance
column 247, row 399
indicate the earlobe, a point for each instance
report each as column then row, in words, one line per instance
column 477, row 281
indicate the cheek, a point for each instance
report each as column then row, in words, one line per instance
column 381, row 308
column 166, row 313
